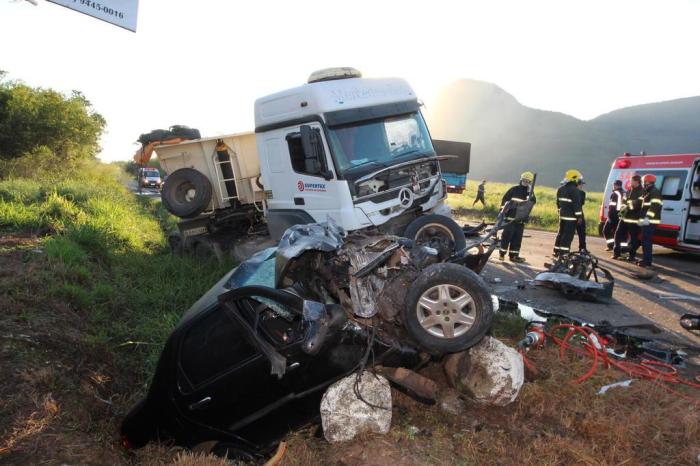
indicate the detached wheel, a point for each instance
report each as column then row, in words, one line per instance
column 448, row 309
column 186, row 193
column 438, row 232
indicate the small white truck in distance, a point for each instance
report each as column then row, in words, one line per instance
column 342, row 147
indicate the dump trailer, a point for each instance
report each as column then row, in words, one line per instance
column 341, row 147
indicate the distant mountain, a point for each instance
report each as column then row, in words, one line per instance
column 508, row 137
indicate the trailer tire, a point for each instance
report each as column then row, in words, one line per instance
column 443, row 297
column 439, row 232
column 177, row 246
column 206, row 249
column 186, row 193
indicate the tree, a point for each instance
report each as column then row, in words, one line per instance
column 37, row 119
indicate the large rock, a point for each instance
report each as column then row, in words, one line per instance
column 344, row 415
column 489, row 372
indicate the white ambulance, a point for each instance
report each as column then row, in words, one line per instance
column 678, row 178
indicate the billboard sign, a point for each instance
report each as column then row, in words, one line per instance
column 118, row 12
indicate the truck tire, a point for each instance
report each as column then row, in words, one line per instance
column 186, row 193
column 206, row 249
column 448, row 309
column 177, row 246
column 439, row 232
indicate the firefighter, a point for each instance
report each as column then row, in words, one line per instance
column 652, row 202
column 617, row 200
column 570, row 211
column 512, row 236
column 629, row 223
column 480, row 193
column 581, row 225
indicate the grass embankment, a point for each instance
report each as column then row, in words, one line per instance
column 84, row 271
column 544, row 215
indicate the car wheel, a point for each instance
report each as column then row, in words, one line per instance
column 438, row 232
column 448, row 309
column 186, row 193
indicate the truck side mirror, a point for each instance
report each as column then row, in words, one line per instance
column 313, row 152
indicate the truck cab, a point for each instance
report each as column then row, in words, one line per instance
column 351, row 149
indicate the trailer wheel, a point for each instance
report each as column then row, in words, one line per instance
column 448, row 309
column 186, row 193
column 205, row 249
column 439, row 232
column 177, row 248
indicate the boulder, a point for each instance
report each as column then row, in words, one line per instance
column 344, row 415
column 489, row 372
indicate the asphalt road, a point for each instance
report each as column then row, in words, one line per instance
column 635, row 301
column 148, row 192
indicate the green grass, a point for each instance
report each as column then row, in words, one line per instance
column 105, row 255
column 544, row 215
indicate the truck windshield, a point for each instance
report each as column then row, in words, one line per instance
column 380, row 142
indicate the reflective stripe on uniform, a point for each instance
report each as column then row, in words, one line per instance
column 611, row 241
column 646, row 204
column 515, row 252
column 630, row 220
column 657, row 201
column 578, row 213
column 564, row 199
column 561, row 248
column 651, row 214
column 655, row 222
column 517, row 199
column 568, row 218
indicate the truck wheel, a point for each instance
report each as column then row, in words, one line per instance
column 186, row 193
column 206, row 249
column 177, row 248
column 438, row 232
column 448, row 309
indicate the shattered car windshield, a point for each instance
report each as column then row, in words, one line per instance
column 380, row 141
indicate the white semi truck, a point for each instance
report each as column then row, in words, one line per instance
column 343, row 147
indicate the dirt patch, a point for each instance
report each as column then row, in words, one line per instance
column 554, row 421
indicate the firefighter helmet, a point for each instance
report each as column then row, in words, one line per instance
column 573, row 175
column 649, row 179
column 527, row 176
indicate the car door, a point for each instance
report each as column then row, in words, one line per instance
column 672, row 184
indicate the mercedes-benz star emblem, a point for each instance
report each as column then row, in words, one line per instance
column 405, row 198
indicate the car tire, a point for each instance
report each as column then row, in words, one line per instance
column 444, row 297
column 439, row 232
column 186, row 193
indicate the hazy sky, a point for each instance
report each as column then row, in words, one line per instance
column 202, row 63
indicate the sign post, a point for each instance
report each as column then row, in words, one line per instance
column 121, row 13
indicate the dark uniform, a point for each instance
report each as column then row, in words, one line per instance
column 581, row 226
column 512, row 236
column 617, row 200
column 652, row 202
column 480, row 193
column 629, row 223
column 569, row 205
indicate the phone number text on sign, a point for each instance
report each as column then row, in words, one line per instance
column 122, row 13
column 102, row 8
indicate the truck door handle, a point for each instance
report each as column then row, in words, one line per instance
column 200, row 404
column 669, row 208
column 298, row 201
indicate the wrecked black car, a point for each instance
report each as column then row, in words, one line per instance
column 251, row 359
